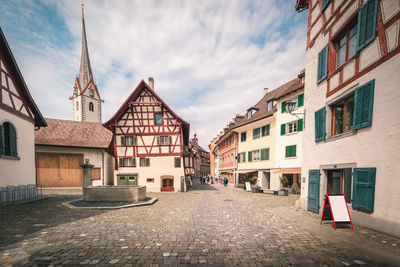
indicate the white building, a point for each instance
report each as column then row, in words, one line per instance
column 19, row 117
column 351, row 139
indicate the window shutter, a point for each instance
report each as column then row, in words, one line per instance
column 300, row 100
column 1, row 139
column 238, row 158
column 300, row 125
column 283, row 129
column 13, row 140
column 287, row 152
column 367, row 16
column 294, row 151
column 135, row 141
column 320, row 124
column 121, row 162
column 264, row 154
column 324, row 4
column 134, row 162
column 283, row 107
column 322, row 71
column 147, row 162
column 158, row 140
column 122, row 140
column 249, row 158
column 170, row 140
column 364, row 189
column 363, row 105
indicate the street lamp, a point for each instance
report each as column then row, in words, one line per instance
column 291, row 106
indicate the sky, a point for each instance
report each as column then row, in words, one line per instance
column 210, row 59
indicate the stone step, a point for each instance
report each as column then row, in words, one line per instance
column 61, row 190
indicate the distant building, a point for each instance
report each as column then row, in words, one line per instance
column 19, row 117
column 351, row 139
column 201, row 158
column 148, row 142
column 86, row 97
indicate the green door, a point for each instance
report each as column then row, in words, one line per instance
column 313, row 191
column 127, row 179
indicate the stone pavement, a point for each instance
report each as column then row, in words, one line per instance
column 210, row 225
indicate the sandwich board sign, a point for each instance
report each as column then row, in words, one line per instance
column 335, row 209
column 248, row 186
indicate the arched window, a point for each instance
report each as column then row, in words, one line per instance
column 91, row 107
column 8, row 140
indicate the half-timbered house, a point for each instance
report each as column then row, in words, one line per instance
column 148, row 140
column 19, row 117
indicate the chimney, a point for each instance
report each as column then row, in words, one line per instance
column 151, row 82
column 265, row 91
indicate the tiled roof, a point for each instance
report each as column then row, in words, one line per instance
column 197, row 146
column 73, row 134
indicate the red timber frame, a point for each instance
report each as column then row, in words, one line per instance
column 136, row 118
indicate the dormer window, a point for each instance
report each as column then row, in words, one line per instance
column 270, row 105
column 251, row 112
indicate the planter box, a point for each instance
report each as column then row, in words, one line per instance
column 282, row 193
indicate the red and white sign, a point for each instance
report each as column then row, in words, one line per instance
column 335, row 208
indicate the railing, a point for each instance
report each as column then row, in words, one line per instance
column 20, row 193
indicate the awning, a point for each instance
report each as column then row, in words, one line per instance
column 245, row 171
column 288, row 171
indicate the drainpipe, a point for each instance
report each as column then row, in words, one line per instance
column 102, row 167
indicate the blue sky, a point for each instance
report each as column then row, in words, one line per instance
column 210, row 59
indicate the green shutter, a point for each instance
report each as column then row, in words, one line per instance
column 244, row 156
column 135, row 141
column 294, row 151
column 322, row 71
column 158, row 140
column 265, row 154
column 324, row 4
column 134, row 162
column 13, row 140
column 147, row 162
column 1, row 139
column 300, row 100
column 364, row 189
column 313, row 191
column 121, row 162
column 363, row 105
column 170, row 140
column 300, row 125
column 290, row 151
column 320, row 121
column 238, row 158
column 283, row 129
column 250, row 157
column 122, row 140
column 367, row 17
column 283, row 107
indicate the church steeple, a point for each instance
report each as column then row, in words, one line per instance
column 86, row 97
column 85, row 71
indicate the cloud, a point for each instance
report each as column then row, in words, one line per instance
column 210, row 59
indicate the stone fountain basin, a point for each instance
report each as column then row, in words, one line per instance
column 112, row 193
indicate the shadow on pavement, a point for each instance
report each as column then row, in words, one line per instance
column 197, row 186
column 17, row 222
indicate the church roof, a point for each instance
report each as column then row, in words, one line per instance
column 20, row 84
column 73, row 134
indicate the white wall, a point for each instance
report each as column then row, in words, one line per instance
column 159, row 166
column 21, row 171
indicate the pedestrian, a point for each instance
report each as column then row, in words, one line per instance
column 225, row 181
column 208, row 179
column 212, row 180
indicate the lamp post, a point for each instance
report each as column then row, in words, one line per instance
column 291, row 106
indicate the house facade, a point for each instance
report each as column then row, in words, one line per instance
column 227, row 152
column 289, row 133
column 64, row 145
column 19, row 117
column 148, row 142
column 350, row 141
column 201, row 158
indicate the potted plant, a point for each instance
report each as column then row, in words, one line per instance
column 283, row 191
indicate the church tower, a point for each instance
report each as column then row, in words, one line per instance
column 86, row 98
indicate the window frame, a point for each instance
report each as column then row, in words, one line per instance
column 155, row 118
column 344, row 101
column 256, row 154
column 91, row 106
column 176, row 161
column 294, row 127
column 256, row 133
column 346, row 32
column 267, row 130
column 241, row 137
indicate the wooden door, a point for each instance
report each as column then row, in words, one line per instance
column 59, row 170
column 167, row 184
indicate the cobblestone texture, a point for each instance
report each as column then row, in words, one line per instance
column 210, row 225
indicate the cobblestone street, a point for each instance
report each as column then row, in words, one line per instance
column 209, row 225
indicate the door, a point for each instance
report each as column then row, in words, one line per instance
column 127, row 179
column 313, row 191
column 59, row 170
column 167, row 183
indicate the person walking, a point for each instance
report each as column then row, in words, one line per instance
column 225, row 181
column 208, row 179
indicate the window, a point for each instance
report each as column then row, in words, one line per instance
column 242, row 157
column 367, row 16
column 320, row 129
column 324, row 4
column 256, row 133
column 127, row 162
column 270, row 105
column 346, row 43
column 322, row 71
column 342, row 116
column 187, row 162
column 251, row 112
column 129, row 141
column 91, row 107
column 292, row 127
column 163, row 140
column 256, row 155
column 243, row 137
column 8, row 140
column 177, row 162
column 265, row 154
column 150, row 180
column 290, row 151
column 265, row 130
column 249, row 156
column 158, row 119
column 144, row 162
